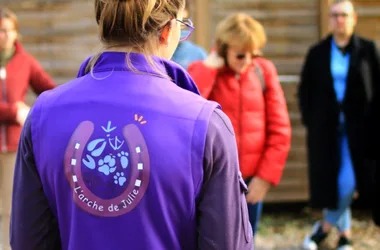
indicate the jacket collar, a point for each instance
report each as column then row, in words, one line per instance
column 228, row 71
column 352, row 45
column 18, row 47
column 117, row 61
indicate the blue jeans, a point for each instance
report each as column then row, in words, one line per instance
column 254, row 211
column 341, row 217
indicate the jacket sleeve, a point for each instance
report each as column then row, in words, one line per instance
column 33, row 224
column 373, row 122
column 222, row 213
column 305, row 90
column 39, row 79
column 278, row 128
column 8, row 112
column 373, row 135
column 203, row 76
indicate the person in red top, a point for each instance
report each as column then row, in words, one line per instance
column 247, row 87
column 18, row 71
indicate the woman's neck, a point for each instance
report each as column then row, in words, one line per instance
column 149, row 52
column 6, row 55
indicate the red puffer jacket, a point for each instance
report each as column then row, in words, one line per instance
column 261, row 124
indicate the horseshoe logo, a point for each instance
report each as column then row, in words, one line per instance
column 138, row 166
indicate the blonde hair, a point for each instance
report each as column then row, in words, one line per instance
column 135, row 24
column 8, row 14
column 240, row 30
column 334, row 2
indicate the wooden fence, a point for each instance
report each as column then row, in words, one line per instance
column 62, row 33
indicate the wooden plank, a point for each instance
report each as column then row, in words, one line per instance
column 293, row 186
column 62, row 33
column 368, row 19
column 291, row 27
column 202, row 23
column 324, row 17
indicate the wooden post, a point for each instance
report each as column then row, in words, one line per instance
column 324, row 14
column 202, row 23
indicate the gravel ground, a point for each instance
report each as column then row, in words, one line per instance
column 286, row 231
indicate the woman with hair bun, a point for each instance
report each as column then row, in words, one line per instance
column 128, row 155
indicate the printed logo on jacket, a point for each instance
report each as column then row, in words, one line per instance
column 108, row 167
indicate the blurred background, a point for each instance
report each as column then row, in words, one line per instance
column 62, row 33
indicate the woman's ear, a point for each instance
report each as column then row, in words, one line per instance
column 165, row 34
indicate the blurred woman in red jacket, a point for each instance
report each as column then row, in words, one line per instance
column 18, row 71
column 248, row 89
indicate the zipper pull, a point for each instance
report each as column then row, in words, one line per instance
column 237, row 76
column 3, row 73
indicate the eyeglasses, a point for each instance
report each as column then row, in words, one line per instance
column 187, row 28
column 336, row 15
column 243, row 56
